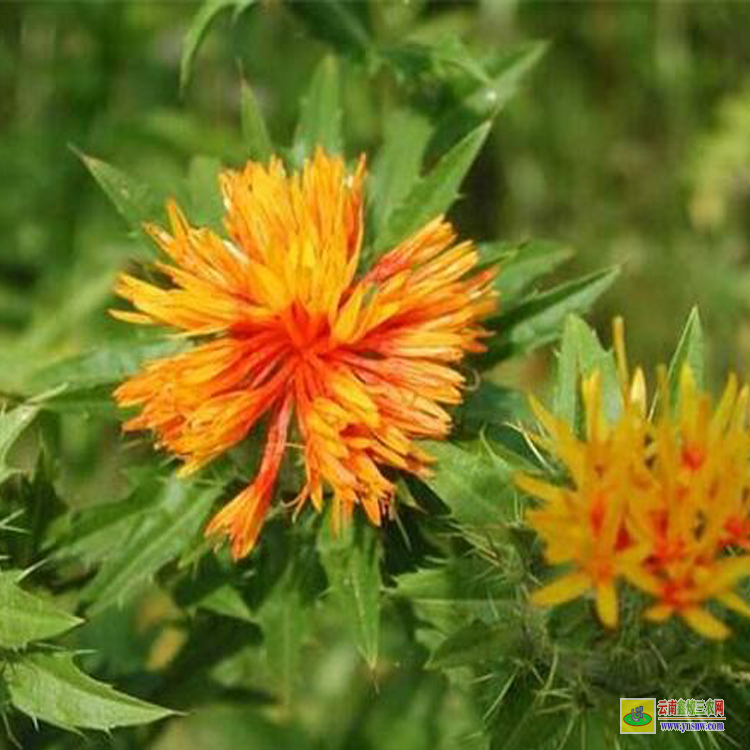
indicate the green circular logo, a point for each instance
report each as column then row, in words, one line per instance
column 643, row 721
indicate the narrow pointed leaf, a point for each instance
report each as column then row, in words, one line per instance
column 171, row 525
column 478, row 643
column 538, row 320
column 25, row 617
column 134, row 200
column 690, row 351
column 254, row 130
column 320, row 118
column 474, row 483
column 282, row 619
column 396, row 168
column 486, row 101
column 105, row 365
column 525, row 264
column 580, row 355
column 205, row 16
column 12, row 424
column 352, row 564
column 49, row 687
column 341, row 23
column 434, row 193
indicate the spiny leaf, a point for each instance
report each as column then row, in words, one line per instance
column 474, row 483
column 135, row 201
column 208, row 12
column 434, row 193
column 320, row 119
column 485, row 102
column 105, row 365
column 87, row 534
column 396, row 168
column 12, row 424
column 524, row 264
column 254, row 131
column 538, row 320
column 282, row 619
column 25, row 617
column 689, row 352
column 49, row 687
column 352, row 564
column 162, row 535
column 342, row 23
column 480, row 642
column 580, row 355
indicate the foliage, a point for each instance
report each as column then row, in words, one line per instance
column 419, row 634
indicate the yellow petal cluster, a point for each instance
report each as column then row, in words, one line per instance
column 657, row 499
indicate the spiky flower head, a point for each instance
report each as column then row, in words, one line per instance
column 656, row 498
column 285, row 326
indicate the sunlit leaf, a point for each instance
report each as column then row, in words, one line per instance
column 397, row 165
column 581, row 355
column 135, row 201
column 25, row 617
column 254, row 132
column 435, row 192
column 49, row 687
column 689, row 352
column 538, row 320
column 474, row 483
column 521, row 265
column 106, row 365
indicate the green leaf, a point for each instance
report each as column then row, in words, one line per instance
column 342, row 23
column 254, row 131
column 134, row 200
column 522, row 265
column 49, row 687
column 352, row 564
column 205, row 197
column 87, row 534
column 106, row 365
column 26, row 618
column 320, row 118
column 164, row 533
column 12, row 424
column 580, row 355
column 690, row 351
column 480, row 642
column 486, row 101
column 463, row 589
column 283, row 621
column 474, row 483
column 434, row 193
column 538, row 320
column 228, row 602
column 207, row 13
column 397, row 165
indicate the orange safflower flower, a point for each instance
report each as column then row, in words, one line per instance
column 661, row 502
column 289, row 328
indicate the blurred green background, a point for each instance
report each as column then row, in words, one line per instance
column 630, row 142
